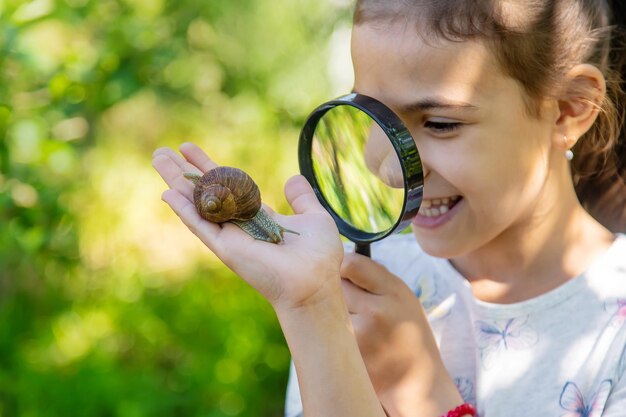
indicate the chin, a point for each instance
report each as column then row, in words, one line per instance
column 439, row 248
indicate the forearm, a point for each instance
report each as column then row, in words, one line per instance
column 396, row 342
column 432, row 393
column 424, row 388
column 332, row 377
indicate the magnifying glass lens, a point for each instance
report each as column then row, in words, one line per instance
column 363, row 166
column 357, row 169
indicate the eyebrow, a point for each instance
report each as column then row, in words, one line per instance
column 431, row 103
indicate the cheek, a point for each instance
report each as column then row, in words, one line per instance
column 510, row 154
column 464, row 164
column 510, row 189
column 488, row 164
column 496, row 181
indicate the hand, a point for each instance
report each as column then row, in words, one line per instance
column 299, row 272
column 395, row 340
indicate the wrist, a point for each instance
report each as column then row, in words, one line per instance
column 425, row 392
column 463, row 410
column 332, row 377
column 326, row 299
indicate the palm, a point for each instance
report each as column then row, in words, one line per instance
column 287, row 274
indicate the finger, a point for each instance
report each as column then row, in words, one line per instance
column 356, row 298
column 219, row 238
column 367, row 274
column 207, row 232
column 172, row 174
column 301, row 197
column 197, row 157
column 360, row 326
column 183, row 164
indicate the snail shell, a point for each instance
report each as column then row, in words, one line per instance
column 226, row 193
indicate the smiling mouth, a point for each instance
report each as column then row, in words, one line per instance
column 437, row 206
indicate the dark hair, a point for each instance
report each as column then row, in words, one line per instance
column 538, row 50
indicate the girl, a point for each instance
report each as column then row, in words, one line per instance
column 520, row 276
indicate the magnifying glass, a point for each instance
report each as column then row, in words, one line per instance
column 363, row 166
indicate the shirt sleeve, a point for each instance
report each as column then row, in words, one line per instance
column 293, row 402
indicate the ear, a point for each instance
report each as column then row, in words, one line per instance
column 579, row 106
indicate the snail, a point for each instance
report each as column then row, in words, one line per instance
column 227, row 194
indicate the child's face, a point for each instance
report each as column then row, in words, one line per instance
column 479, row 145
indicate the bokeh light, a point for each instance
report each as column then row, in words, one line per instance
column 108, row 305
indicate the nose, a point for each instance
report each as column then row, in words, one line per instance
column 381, row 158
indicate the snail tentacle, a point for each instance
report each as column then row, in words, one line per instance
column 192, row 177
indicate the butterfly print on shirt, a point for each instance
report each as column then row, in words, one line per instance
column 576, row 404
column 497, row 336
column 428, row 294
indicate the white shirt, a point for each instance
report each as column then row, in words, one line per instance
column 561, row 354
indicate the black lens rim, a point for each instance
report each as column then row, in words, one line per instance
column 403, row 144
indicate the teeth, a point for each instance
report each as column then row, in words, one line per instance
column 436, row 207
column 432, row 212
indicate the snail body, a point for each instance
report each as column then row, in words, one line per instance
column 227, row 194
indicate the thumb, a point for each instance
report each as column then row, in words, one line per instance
column 301, row 196
column 367, row 274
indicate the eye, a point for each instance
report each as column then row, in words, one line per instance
column 441, row 126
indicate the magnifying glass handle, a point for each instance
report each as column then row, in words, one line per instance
column 363, row 249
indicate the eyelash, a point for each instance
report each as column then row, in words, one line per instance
column 442, row 127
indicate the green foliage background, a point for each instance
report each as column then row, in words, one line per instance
column 108, row 306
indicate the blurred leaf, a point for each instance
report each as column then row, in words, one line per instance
column 108, row 306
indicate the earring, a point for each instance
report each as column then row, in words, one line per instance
column 569, row 154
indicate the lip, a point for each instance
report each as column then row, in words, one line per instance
column 435, row 222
